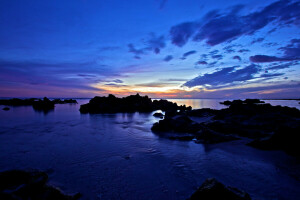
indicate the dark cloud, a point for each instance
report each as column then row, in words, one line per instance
column 229, row 49
column 136, row 51
column 201, row 62
column 224, row 76
column 237, row 58
column 168, row 58
column 185, row 55
column 266, row 59
column 218, row 27
column 269, row 75
column 243, row 50
column 218, row 57
column 181, row 33
column 257, row 40
column 153, row 43
column 156, row 43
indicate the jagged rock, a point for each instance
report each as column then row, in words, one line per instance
column 18, row 184
column 211, row 189
column 247, row 101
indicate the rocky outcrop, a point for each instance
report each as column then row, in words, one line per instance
column 270, row 127
column 18, row 184
column 65, row 101
column 213, row 189
column 44, row 104
column 132, row 103
column 247, row 101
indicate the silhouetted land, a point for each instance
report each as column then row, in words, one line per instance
column 38, row 104
column 132, row 103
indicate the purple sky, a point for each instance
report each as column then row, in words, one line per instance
column 162, row 48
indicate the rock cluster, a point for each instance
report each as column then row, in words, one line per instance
column 132, row 103
column 18, row 184
column 38, row 104
column 270, row 127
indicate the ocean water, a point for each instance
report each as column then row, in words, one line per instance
column 116, row 156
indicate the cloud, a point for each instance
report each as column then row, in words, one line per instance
column 257, row 40
column 243, row 50
column 168, row 58
column 156, row 43
column 237, row 58
column 224, row 76
column 174, row 79
column 218, row 57
column 153, row 43
column 218, row 27
column 185, row 55
column 291, row 53
column 268, row 75
column 266, row 59
column 181, row 33
column 201, row 62
column 281, row 66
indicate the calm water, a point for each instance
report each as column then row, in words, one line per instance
column 116, row 156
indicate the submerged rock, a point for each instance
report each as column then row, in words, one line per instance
column 6, row 108
column 18, row 184
column 211, row 189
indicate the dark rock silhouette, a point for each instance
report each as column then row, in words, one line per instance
column 271, row 127
column 132, row 103
column 17, row 102
column 247, row 101
column 44, row 104
column 6, row 108
column 59, row 101
column 160, row 115
column 213, row 189
column 17, row 184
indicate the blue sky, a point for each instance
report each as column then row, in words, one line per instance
column 163, row 48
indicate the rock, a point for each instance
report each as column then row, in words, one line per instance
column 285, row 138
column 6, row 108
column 178, row 123
column 212, row 189
column 132, row 103
column 59, row 101
column 44, row 104
column 209, row 136
column 247, row 101
column 160, row 115
column 18, row 184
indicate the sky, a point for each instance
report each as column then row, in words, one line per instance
column 160, row 48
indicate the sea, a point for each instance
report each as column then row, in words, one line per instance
column 117, row 156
